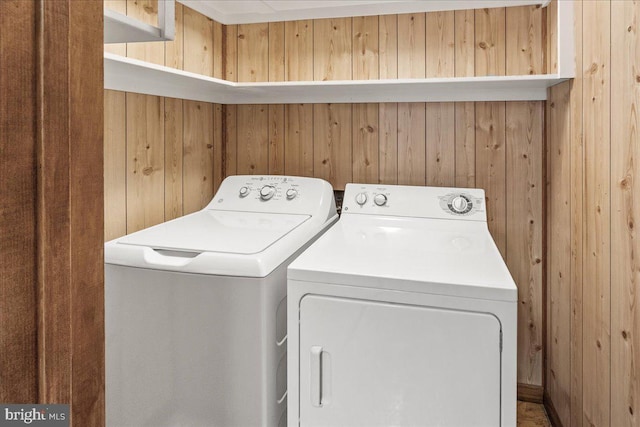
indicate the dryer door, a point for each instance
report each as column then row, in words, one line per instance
column 370, row 363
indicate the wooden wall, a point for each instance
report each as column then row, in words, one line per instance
column 593, row 160
column 162, row 155
column 51, row 206
column 497, row 146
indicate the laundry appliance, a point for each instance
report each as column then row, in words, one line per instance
column 196, row 307
column 403, row 314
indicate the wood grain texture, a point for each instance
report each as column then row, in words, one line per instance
column 145, row 11
column 276, row 112
column 145, row 161
column 524, row 40
column 625, row 213
column 490, row 42
column 218, row 50
column 119, row 6
column 440, row 144
column 298, row 42
column 173, row 158
column 253, row 140
column 524, row 252
column 465, row 144
column 332, row 49
column 365, row 143
column 219, row 172
column 365, row 48
column 298, row 155
column 198, row 43
column 332, row 143
column 115, row 165
column 596, row 354
column 440, row 44
column 86, row 288
column 198, row 155
column 174, row 50
column 559, row 273
column 491, row 167
column 388, row 112
column 230, row 52
column 411, row 144
column 18, row 274
column 551, row 58
column 253, row 52
column 465, row 43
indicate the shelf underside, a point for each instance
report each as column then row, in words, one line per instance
column 130, row 75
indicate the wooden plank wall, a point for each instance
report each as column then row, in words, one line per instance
column 162, row 155
column 494, row 145
column 593, row 208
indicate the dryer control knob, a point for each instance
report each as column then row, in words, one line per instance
column 244, row 191
column 380, row 199
column 459, row 204
column 361, row 198
column 292, row 193
column 267, row 192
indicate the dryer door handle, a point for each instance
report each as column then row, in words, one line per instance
column 315, row 382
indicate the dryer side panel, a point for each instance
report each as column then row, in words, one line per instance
column 367, row 363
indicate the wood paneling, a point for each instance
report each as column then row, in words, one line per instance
column 18, row 269
column 198, row 155
column 115, row 160
column 625, row 213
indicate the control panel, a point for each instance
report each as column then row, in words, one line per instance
column 413, row 201
column 272, row 193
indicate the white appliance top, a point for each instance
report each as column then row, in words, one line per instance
column 418, row 239
column 251, row 226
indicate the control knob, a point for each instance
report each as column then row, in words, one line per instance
column 380, row 199
column 244, row 191
column 361, row 198
column 267, row 192
column 292, row 193
column 459, row 204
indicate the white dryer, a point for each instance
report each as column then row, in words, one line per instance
column 196, row 309
column 403, row 314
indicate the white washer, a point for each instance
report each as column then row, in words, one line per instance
column 403, row 314
column 196, row 308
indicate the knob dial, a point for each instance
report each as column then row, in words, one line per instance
column 459, row 204
column 361, row 198
column 380, row 199
column 292, row 193
column 267, row 192
column 244, row 191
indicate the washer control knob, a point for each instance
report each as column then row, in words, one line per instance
column 459, row 204
column 380, row 199
column 267, row 192
column 292, row 193
column 244, row 191
column 361, row 198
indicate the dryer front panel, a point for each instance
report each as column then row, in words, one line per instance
column 369, row 363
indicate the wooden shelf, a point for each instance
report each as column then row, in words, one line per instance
column 230, row 12
column 130, row 75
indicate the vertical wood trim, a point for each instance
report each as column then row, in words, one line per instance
column 524, row 37
column 524, row 191
column 145, row 161
column 219, row 172
column 552, row 37
column 86, row 189
column 625, row 209
column 490, row 42
column 230, row 135
column 597, row 214
column 218, row 50
column 173, row 158
column 115, row 165
column 491, row 166
column 230, row 52
column 198, row 155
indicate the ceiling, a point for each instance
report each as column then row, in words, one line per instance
column 250, row 11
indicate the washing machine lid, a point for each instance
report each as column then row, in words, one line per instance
column 444, row 257
column 210, row 230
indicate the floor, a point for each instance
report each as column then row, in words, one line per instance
column 532, row 415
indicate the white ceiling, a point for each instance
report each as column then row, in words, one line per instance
column 250, row 11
